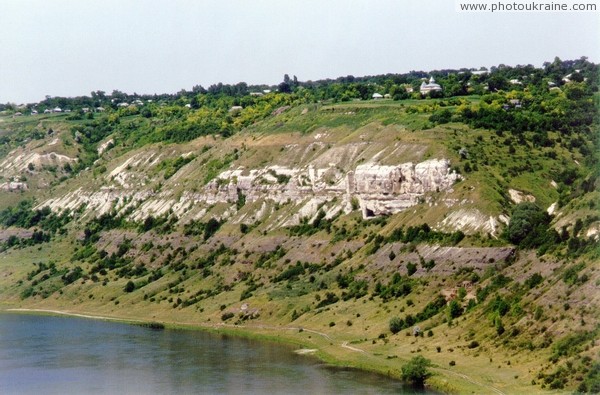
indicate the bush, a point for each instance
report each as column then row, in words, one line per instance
column 396, row 325
column 226, row 316
column 411, row 268
column 130, row 286
column 416, row 370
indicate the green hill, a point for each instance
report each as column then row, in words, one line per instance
column 463, row 228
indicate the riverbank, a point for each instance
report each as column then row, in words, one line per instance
column 328, row 347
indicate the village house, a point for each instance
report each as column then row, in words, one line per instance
column 377, row 96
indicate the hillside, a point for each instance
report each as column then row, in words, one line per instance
column 463, row 227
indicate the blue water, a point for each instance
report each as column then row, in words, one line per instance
column 68, row 355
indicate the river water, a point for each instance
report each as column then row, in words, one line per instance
column 69, row 355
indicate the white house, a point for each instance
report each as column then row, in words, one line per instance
column 57, row 109
column 377, row 96
column 432, row 86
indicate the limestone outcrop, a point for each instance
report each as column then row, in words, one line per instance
column 377, row 189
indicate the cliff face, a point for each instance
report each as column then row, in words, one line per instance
column 377, row 189
column 391, row 189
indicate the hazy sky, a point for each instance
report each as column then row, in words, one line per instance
column 72, row 47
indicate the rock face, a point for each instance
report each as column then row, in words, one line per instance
column 390, row 189
column 13, row 186
column 19, row 162
column 379, row 190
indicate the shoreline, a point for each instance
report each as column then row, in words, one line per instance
column 253, row 332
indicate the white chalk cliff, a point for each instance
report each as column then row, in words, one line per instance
column 378, row 189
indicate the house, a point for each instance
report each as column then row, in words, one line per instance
column 57, row 109
column 387, row 96
column 515, row 82
column 18, row 114
column 377, row 96
column 47, row 111
column 85, row 109
column 431, row 86
column 236, row 109
column 123, row 104
column 100, row 109
column 256, row 94
column 34, row 112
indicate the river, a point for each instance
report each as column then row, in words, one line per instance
column 42, row 354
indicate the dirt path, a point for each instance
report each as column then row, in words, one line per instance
column 345, row 345
column 470, row 380
column 58, row 312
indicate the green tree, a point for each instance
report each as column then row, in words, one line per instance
column 416, row 370
column 454, row 309
column 528, row 225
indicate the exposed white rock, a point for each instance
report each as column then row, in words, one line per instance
column 104, row 146
column 593, row 231
column 13, row 186
column 470, row 220
column 19, row 162
column 552, row 209
column 391, row 189
column 518, row 196
column 380, row 190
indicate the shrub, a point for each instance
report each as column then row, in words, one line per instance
column 454, row 309
column 226, row 316
column 130, row 286
column 473, row 344
column 396, row 325
column 534, row 280
column 411, row 268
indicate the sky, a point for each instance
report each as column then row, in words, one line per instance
column 74, row 47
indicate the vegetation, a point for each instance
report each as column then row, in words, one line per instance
column 416, row 370
column 466, row 275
